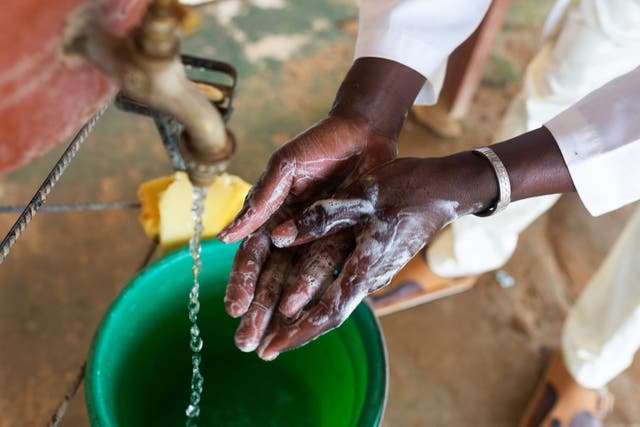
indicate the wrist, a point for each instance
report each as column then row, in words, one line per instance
column 535, row 164
column 378, row 92
column 474, row 180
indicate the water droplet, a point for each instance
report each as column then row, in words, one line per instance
column 196, row 359
column 195, row 398
column 195, row 331
column 194, row 306
column 197, row 377
column 192, row 411
column 196, row 344
column 196, row 386
column 504, row 279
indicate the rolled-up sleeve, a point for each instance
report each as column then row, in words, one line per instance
column 599, row 138
column 417, row 33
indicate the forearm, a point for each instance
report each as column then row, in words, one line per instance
column 420, row 34
column 535, row 165
column 533, row 161
column 592, row 147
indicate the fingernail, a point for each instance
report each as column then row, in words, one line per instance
column 270, row 357
column 245, row 341
column 234, row 308
column 247, row 344
column 286, row 309
column 262, row 353
column 284, row 234
column 224, row 236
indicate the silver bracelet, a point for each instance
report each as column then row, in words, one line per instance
column 504, row 184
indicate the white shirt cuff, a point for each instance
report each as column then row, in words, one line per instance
column 605, row 179
column 422, row 57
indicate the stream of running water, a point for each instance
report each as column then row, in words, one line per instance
column 197, row 211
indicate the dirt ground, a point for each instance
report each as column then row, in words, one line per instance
column 472, row 359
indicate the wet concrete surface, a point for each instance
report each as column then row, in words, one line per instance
column 471, row 359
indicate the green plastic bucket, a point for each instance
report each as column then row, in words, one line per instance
column 139, row 367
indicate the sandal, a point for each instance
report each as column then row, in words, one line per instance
column 559, row 401
column 416, row 284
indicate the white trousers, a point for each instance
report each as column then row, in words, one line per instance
column 588, row 43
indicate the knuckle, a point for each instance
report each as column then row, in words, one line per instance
column 260, row 307
column 314, row 220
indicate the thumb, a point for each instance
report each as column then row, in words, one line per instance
column 321, row 219
column 266, row 196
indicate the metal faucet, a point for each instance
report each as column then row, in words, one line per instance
column 147, row 66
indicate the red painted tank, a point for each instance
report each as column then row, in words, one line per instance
column 45, row 97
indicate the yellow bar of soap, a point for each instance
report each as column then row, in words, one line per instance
column 166, row 207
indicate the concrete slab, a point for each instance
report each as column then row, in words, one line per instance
column 472, row 359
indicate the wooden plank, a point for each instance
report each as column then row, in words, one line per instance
column 466, row 64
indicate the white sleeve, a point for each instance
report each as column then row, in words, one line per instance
column 418, row 33
column 599, row 137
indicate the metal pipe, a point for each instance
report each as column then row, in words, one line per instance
column 147, row 66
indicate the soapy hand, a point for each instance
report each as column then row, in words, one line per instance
column 359, row 134
column 393, row 212
column 313, row 165
column 326, row 157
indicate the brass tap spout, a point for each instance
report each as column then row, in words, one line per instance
column 146, row 64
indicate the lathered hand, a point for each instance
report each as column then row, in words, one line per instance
column 312, row 165
column 358, row 135
column 393, row 211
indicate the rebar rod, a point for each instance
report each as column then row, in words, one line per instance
column 62, row 408
column 76, row 207
column 73, row 389
column 41, row 195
